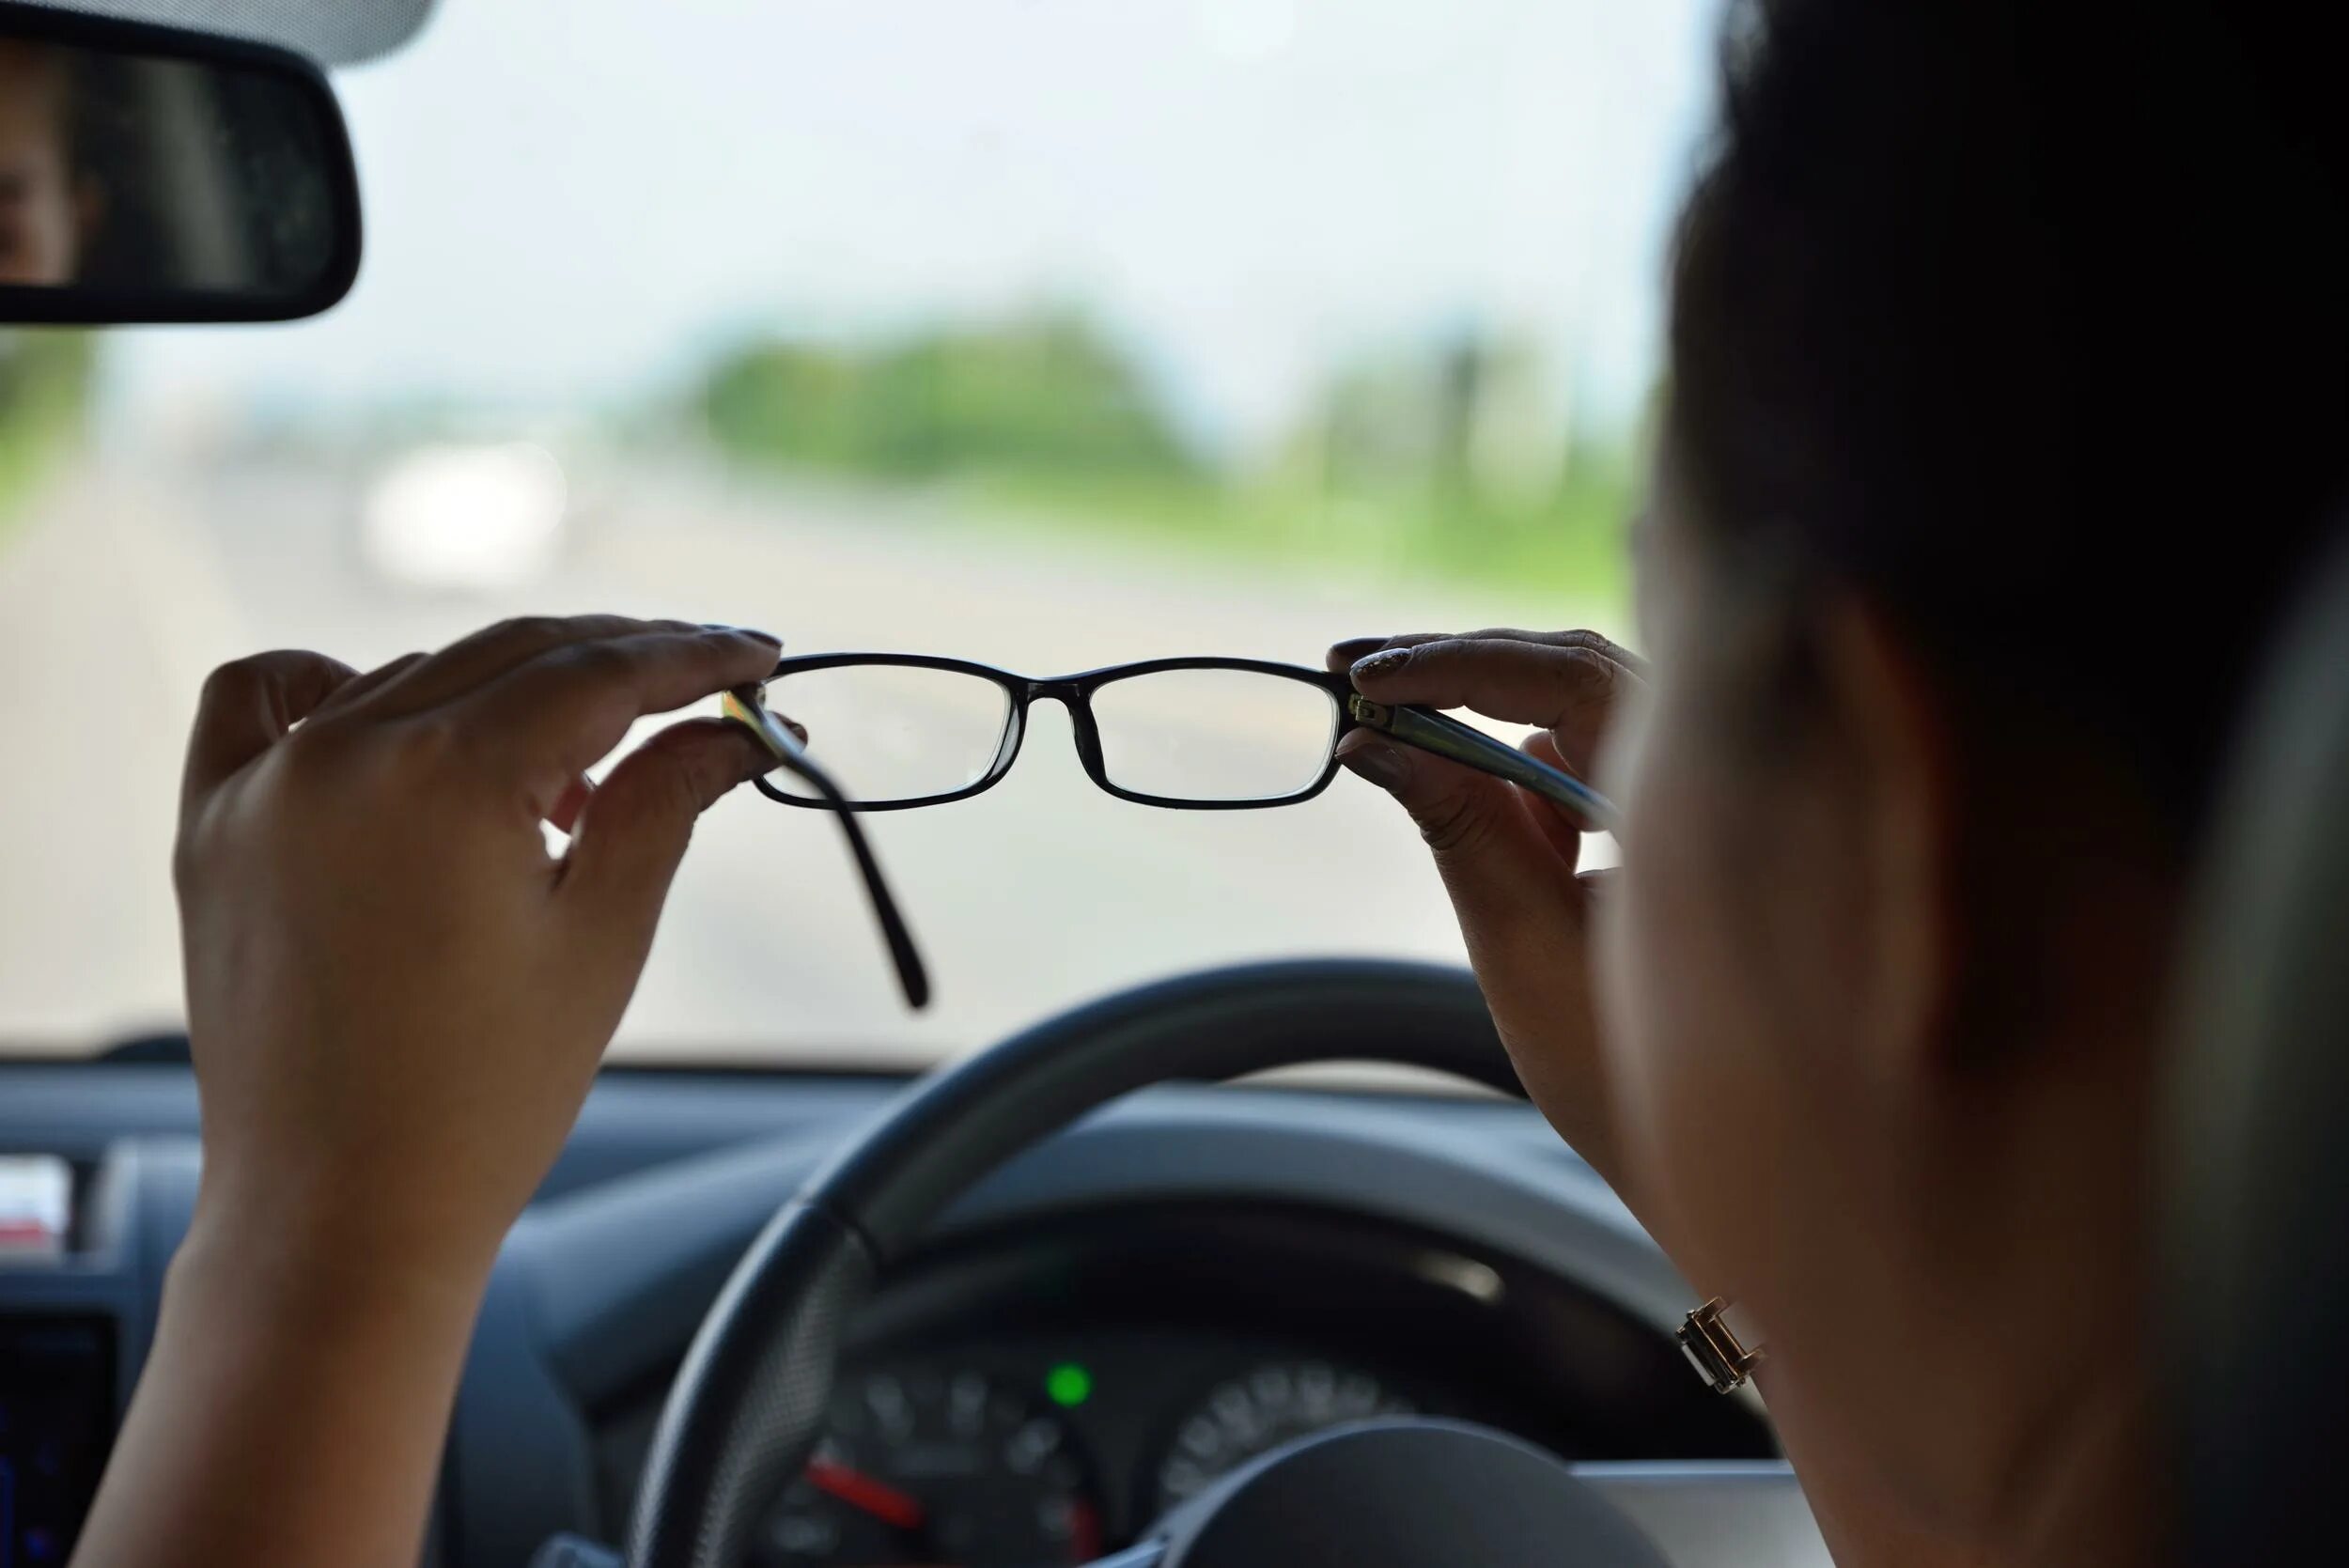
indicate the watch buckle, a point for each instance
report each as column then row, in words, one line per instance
column 1706, row 1339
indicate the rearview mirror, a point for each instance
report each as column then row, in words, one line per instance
column 151, row 174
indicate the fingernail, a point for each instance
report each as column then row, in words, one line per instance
column 1373, row 759
column 1353, row 648
column 1383, row 663
column 766, row 637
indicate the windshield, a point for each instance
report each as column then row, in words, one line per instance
column 1050, row 334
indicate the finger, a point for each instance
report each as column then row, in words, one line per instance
column 1344, row 656
column 563, row 710
column 472, row 663
column 1529, row 683
column 1521, row 909
column 351, row 693
column 628, row 842
column 1492, row 851
column 1559, row 827
column 1359, row 648
column 248, row 706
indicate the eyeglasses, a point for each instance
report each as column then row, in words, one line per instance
column 904, row 730
column 889, row 731
column 899, row 730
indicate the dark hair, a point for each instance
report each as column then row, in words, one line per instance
column 2029, row 320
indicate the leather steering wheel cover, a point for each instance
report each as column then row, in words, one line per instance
column 748, row 1404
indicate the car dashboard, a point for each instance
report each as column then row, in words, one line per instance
column 1051, row 1390
column 1178, row 1282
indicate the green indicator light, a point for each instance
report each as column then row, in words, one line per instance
column 1068, row 1384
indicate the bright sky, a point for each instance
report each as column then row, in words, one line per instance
column 569, row 204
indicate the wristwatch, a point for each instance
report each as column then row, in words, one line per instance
column 1715, row 1349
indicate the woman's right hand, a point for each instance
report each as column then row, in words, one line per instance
column 396, row 997
column 397, row 1001
column 1510, row 859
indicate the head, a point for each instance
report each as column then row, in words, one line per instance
column 46, row 202
column 2006, row 400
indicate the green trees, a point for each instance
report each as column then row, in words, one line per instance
column 1046, row 394
column 1459, row 457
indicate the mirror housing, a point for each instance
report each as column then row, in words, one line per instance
column 153, row 173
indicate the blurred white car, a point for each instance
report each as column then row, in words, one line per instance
column 465, row 517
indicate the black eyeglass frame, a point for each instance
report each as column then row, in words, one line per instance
column 1074, row 693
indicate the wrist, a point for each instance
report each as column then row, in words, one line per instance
column 294, row 1272
column 319, row 1215
column 295, row 1403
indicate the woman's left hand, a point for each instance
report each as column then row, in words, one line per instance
column 1510, row 859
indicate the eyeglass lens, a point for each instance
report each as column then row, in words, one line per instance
column 890, row 732
column 1214, row 734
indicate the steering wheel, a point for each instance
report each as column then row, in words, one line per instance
column 749, row 1403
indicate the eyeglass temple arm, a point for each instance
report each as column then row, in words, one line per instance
column 910, row 974
column 746, row 706
column 1446, row 736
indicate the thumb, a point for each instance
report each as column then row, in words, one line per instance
column 632, row 831
column 1508, row 861
column 1511, row 879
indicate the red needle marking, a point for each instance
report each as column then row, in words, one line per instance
column 1084, row 1532
column 883, row 1501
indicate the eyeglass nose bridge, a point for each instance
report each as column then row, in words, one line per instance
column 1073, row 697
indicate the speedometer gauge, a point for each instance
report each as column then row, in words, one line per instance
column 936, row 1467
column 1268, row 1404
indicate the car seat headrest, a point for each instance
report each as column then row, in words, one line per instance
column 2258, row 1288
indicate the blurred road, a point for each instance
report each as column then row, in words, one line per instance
column 122, row 590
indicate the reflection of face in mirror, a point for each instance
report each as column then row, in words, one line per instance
column 146, row 177
column 48, row 206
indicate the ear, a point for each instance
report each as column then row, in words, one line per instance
column 1892, row 722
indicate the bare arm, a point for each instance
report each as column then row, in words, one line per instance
column 397, row 1001
column 1861, row 1530
column 1509, row 861
column 290, row 1413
